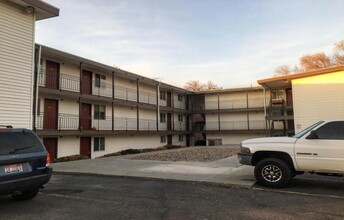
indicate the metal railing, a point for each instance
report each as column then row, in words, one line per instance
column 235, row 104
column 236, row 125
column 147, row 125
column 102, row 89
column 147, row 97
column 125, row 93
column 162, row 102
column 122, row 123
column 101, row 124
column 57, row 122
column 179, row 104
column 162, row 126
column 179, row 125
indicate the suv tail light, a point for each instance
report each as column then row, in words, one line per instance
column 48, row 161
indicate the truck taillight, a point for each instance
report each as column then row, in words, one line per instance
column 48, row 161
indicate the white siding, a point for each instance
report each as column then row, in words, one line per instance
column 16, row 65
column 118, row 143
column 317, row 98
column 233, row 138
column 68, row 146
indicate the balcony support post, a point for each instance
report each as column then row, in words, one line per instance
column 218, row 111
column 157, row 105
column 248, row 114
column 137, row 105
column 81, row 75
column 113, row 117
column 113, row 85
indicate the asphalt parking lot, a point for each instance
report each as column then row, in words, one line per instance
column 108, row 197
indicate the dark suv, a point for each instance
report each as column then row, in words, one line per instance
column 24, row 163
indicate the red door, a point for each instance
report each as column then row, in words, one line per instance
column 52, row 75
column 289, row 96
column 169, row 99
column 85, row 116
column 50, row 114
column 169, row 122
column 51, row 146
column 86, row 82
column 85, row 146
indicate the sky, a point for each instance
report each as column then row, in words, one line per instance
column 231, row 43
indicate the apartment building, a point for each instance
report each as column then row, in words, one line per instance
column 88, row 108
column 229, row 116
column 17, row 34
column 299, row 100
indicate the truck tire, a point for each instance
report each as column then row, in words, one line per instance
column 273, row 172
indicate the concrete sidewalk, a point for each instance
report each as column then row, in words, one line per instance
column 227, row 171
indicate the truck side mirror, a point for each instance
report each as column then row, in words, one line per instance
column 312, row 135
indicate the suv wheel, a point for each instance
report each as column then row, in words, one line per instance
column 273, row 172
column 25, row 195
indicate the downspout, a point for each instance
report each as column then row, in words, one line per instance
column 35, row 98
column 266, row 126
column 158, row 106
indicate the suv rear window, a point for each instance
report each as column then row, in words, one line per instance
column 19, row 143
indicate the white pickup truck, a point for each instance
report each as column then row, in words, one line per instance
column 317, row 149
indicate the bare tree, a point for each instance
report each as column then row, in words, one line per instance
column 211, row 86
column 194, row 85
column 338, row 52
column 282, row 70
column 315, row 61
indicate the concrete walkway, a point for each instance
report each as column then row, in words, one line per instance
column 227, row 171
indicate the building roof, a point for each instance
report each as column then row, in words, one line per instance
column 229, row 90
column 43, row 10
column 281, row 82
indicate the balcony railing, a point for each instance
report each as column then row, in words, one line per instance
column 162, row 102
column 125, row 93
column 71, row 122
column 179, row 104
column 236, row 125
column 235, row 104
column 162, row 126
column 147, row 125
column 147, row 97
column 102, row 89
column 101, row 124
column 59, row 122
column 179, row 125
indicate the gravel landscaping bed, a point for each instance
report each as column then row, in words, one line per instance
column 195, row 154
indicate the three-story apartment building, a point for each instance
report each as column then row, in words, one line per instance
column 88, row 108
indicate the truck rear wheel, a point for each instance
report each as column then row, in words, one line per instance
column 273, row 172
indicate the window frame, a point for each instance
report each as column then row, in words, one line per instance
column 98, row 114
column 99, row 80
column 98, row 144
column 339, row 131
column 162, row 118
column 163, row 95
column 163, row 139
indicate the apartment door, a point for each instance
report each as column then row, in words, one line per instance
column 52, row 77
column 169, row 139
column 289, row 93
column 51, row 146
column 85, row 116
column 85, row 146
column 50, row 114
column 86, row 82
column 169, row 122
column 169, row 100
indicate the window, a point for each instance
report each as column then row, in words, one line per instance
column 99, row 144
column 162, row 117
column 180, row 117
column 180, row 97
column 99, row 112
column 331, row 130
column 181, row 138
column 162, row 95
column 162, row 139
column 98, row 81
column 277, row 94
